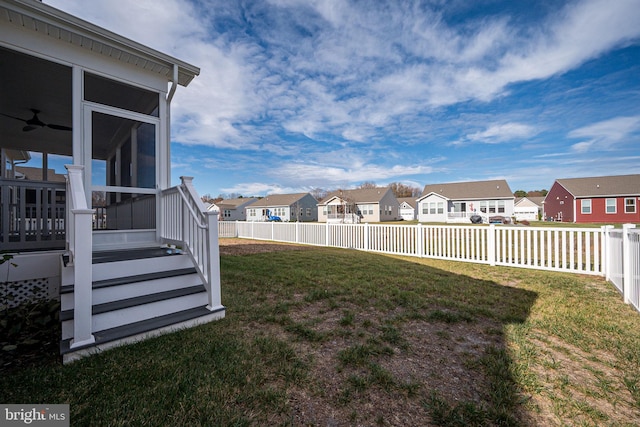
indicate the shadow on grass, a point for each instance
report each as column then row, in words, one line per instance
column 315, row 337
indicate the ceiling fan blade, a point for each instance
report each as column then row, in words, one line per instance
column 14, row 117
column 59, row 127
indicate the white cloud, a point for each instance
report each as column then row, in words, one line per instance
column 605, row 134
column 503, row 132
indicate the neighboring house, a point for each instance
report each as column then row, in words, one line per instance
column 98, row 240
column 528, row 208
column 361, row 205
column 233, row 209
column 407, row 208
column 458, row 201
column 288, row 207
column 608, row 199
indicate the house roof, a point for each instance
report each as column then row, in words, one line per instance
column 494, row 189
column 35, row 174
column 411, row 201
column 279, row 200
column 40, row 17
column 536, row 200
column 236, row 203
column 601, row 186
column 360, row 195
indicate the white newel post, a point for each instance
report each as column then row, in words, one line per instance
column 491, row 245
column 81, row 258
column 214, row 297
column 626, row 261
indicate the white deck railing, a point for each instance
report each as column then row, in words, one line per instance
column 605, row 251
column 187, row 223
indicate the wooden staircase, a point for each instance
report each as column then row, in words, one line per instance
column 136, row 293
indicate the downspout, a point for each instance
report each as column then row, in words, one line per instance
column 172, row 91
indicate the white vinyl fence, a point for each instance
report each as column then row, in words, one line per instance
column 614, row 253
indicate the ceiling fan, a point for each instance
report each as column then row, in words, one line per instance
column 35, row 123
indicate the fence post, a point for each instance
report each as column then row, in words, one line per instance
column 297, row 231
column 366, row 236
column 419, row 243
column 627, row 280
column 491, row 245
column 606, row 251
column 326, row 232
column 237, row 233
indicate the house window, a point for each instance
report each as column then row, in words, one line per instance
column 440, row 208
column 483, row 206
column 308, row 212
column 432, row 208
column 425, row 208
column 492, row 206
column 500, row 206
column 585, row 206
column 630, row 205
column 610, row 206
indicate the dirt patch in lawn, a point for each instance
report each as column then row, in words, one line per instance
column 248, row 247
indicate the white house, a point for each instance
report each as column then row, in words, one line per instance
column 360, row 205
column 78, row 95
column 233, row 209
column 528, row 208
column 458, row 201
column 408, row 208
column 287, row 207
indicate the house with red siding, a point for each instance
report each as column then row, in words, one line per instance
column 608, row 199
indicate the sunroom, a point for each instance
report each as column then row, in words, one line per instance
column 85, row 181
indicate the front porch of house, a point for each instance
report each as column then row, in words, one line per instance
column 85, row 184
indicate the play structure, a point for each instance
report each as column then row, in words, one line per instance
column 270, row 217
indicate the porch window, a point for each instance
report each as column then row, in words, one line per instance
column 630, row 205
column 610, row 206
column 585, row 205
column 483, row 206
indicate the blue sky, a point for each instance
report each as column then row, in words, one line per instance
column 299, row 94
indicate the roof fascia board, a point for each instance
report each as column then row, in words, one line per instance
column 51, row 16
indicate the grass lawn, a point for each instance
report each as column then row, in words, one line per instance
column 331, row 337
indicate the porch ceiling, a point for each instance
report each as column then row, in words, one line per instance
column 29, row 83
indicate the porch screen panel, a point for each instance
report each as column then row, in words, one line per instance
column 123, row 168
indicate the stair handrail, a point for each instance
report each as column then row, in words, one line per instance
column 198, row 234
column 188, row 205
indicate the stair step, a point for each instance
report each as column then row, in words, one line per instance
column 135, row 301
column 133, row 279
column 141, row 327
column 130, row 254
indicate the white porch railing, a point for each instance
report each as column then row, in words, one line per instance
column 605, row 251
column 187, row 223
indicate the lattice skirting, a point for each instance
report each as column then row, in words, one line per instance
column 13, row 294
